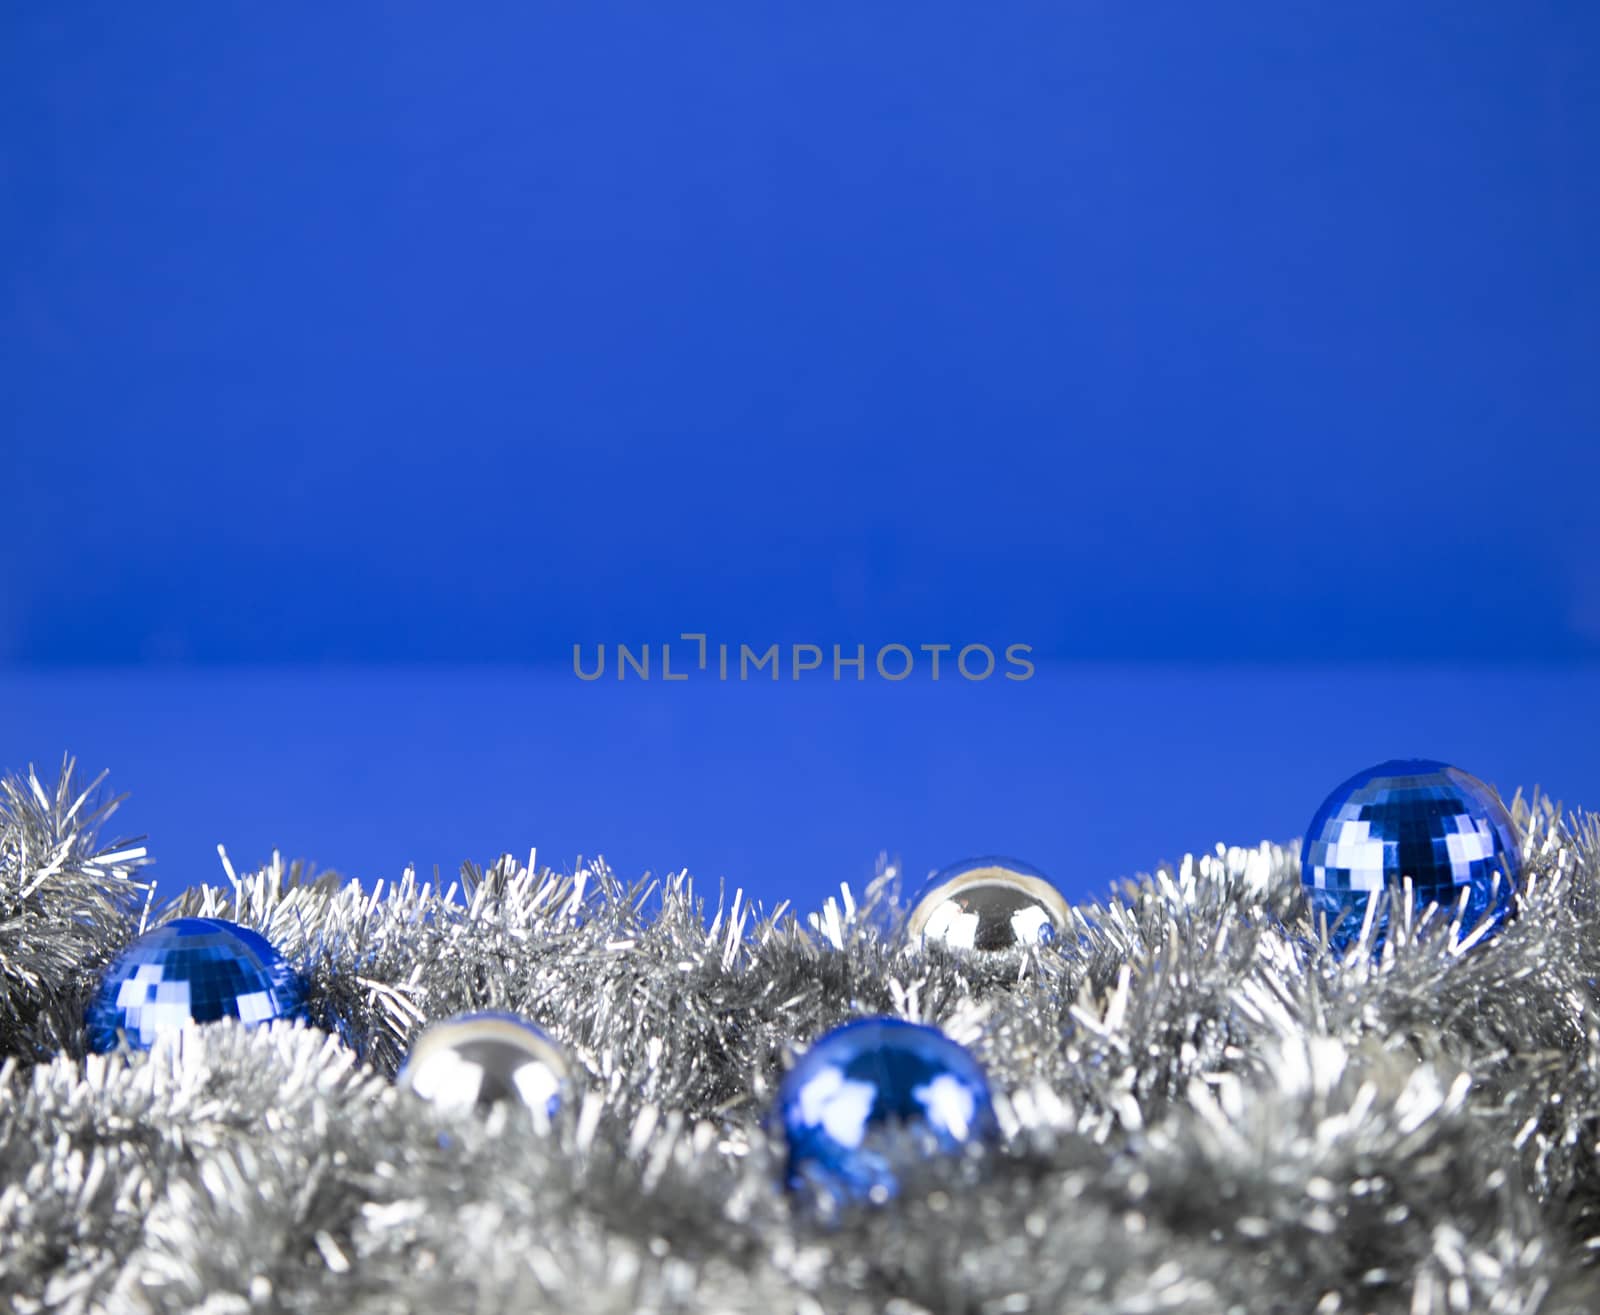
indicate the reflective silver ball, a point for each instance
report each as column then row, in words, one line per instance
column 478, row 1060
column 988, row 904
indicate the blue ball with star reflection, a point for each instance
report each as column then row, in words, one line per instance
column 873, row 1095
column 192, row 970
column 1440, row 826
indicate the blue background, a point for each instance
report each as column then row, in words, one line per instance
column 1239, row 358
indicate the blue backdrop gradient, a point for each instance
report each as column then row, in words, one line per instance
column 378, row 344
column 785, row 790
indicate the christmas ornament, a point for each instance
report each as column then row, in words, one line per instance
column 1188, row 1126
column 870, row 1096
column 478, row 1059
column 1436, row 824
column 192, row 969
column 988, row 904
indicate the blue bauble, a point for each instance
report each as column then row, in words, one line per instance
column 988, row 904
column 1434, row 823
column 872, row 1095
column 479, row 1060
column 192, row 969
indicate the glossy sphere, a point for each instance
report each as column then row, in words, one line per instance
column 192, row 969
column 477, row 1060
column 988, row 904
column 871, row 1094
column 1434, row 823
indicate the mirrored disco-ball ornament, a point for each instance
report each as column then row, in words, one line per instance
column 192, row 969
column 478, row 1060
column 1444, row 829
column 988, row 904
column 874, row 1095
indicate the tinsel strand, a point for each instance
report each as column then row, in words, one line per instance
column 1202, row 1108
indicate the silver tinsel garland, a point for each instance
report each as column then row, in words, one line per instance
column 1202, row 1109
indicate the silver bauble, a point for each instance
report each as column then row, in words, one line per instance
column 988, row 904
column 485, row 1058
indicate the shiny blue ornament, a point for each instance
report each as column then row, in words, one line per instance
column 192, row 969
column 1434, row 823
column 873, row 1095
